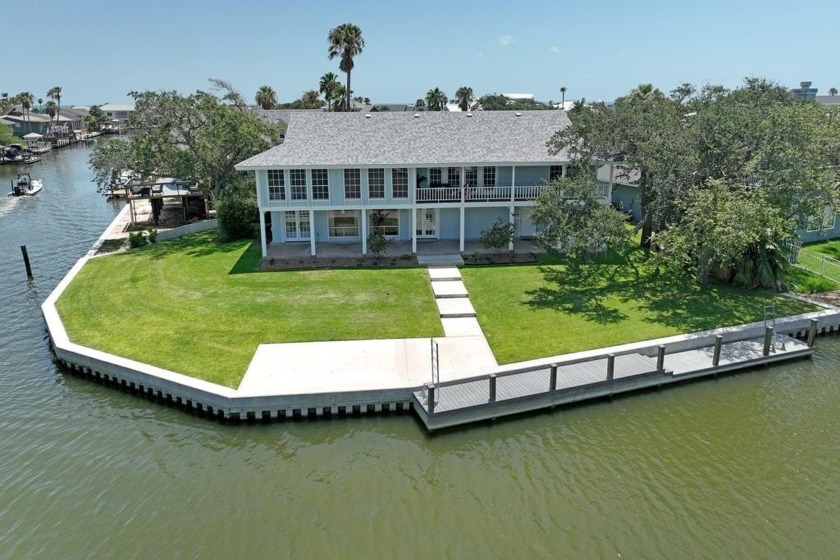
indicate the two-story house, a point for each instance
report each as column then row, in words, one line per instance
column 434, row 175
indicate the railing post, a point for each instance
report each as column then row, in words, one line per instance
column 812, row 333
column 552, row 384
column 768, row 338
column 610, row 367
column 492, row 396
column 716, row 355
column 660, row 357
column 822, row 264
column 430, row 397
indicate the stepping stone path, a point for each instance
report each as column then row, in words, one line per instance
column 456, row 312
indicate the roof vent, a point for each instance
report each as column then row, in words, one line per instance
column 518, row 114
column 469, row 114
column 416, row 115
column 367, row 116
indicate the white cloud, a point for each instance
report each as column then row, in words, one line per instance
column 506, row 40
column 555, row 50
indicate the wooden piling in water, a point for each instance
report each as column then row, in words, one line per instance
column 26, row 261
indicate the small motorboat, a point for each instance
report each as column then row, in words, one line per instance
column 25, row 185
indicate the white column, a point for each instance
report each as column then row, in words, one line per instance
column 262, row 234
column 462, row 229
column 512, row 183
column 414, row 231
column 363, row 213
column 463, row 187
column 312, row 232
column 412, row 185
column 512, row 221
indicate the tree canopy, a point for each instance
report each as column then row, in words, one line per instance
column 756, row 137
column 345, row 42
column 195, row 137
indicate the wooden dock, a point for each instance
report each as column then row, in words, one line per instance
column 486, row 397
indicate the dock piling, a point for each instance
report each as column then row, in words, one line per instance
column 26, row 261
column 660, row 357
column 768, row 339
column 812, row 333
column 610, row 367
column 431, row 397
column 552, row 385
column 492, row 396
column 716, row 355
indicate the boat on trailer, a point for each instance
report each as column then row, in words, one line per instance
column 25, row 185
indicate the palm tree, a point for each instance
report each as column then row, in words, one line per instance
column 310, row 99
column 420, row 104
column 50, row 108
column 436, row 99
column 832, row 91
column 40, row 104
column 26, row 100
column 464, row 96
column 266, row 97
column 563, row 91
column 55, row 94
column 645, row 91
column 327, row 86
column 345, row 42
column 341, row 101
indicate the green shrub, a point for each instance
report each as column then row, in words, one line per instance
column 152, row 235
column 238, row 213
column 136, row 239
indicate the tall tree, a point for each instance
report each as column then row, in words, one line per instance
column 341, row 100
column 26, row 99
column 54, row 93
column 436, row 100
column 196, row 137
column 832, row 91
column 345, row 43
column 572, row 220
column 310, row 100
column 563, row 91
column 327, row 85
column 266, row 97
column 464, row 96
column 420, row 104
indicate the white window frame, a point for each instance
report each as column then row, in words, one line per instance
column 332, row 214
column 295, row 176
column 376, row 179
column 318, row 186
column 401, row 172
column 276, row 184
column 354, row 182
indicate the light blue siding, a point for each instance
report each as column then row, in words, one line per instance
column 531, row 175
column 629, row 198
column 478, row 219
column 450, row 223
column 504, row 176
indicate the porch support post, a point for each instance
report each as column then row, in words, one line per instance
column 262, row 234
column 312, row 232
column 363, row 213
column 413, row 231
column 512, row 222
column 461, row 245
column 412, row 185
column 512, row 183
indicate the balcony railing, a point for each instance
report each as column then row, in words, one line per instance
column 439, row 194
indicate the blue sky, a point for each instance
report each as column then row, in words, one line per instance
column 598, row 50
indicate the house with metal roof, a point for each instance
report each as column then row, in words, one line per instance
column 117, row 112
column 429, row 175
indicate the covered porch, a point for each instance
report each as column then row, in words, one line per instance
column 395, row 249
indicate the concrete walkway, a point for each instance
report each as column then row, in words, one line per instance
column 363, row 365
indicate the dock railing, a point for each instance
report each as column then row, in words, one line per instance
column 769, row 346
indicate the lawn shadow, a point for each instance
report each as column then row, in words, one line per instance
column 662, row 299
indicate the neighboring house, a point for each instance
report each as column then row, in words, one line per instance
column 625, row 194
column 32, row 122
column 435, row 175
column 117, row 113
column 828, row 100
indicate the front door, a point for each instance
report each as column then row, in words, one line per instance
column 427, row 223
column 297, row 226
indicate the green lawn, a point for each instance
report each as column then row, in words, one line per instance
column 544, row 309
column 812, row 257
column 197, row 307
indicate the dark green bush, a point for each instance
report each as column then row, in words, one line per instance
column 238, row 213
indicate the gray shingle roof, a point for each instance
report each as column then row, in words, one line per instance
column 397, row 138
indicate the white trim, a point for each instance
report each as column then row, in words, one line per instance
column 312, row 232
column 262, row 234
column 436, row 221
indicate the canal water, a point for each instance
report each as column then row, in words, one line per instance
column 744, row 466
